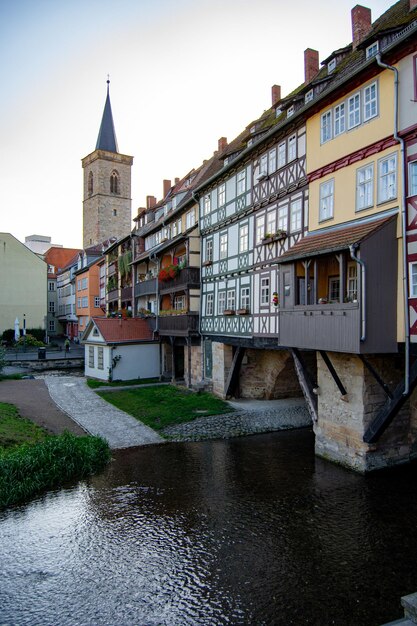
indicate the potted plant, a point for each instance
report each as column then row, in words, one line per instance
column 244, row 311
column 228, row 312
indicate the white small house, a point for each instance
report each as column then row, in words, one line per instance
column 120, row 349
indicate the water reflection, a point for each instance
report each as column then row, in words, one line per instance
column 247, row 531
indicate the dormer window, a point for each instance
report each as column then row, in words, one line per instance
column 250, row 142
column 290, row 111
column 372, row 50
column 252, row 130
column 331, row 66
column 309, row 96
column 278, row 112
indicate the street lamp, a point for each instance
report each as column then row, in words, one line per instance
column 24, row 332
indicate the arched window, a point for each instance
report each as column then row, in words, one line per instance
column 114, row 182
column 90, row 184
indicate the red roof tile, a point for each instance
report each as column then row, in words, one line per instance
column 128, row 330
column 333, row 240
column 59, row 257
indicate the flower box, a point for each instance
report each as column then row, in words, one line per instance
column 280, row 234
column 242, row 312
column 228, row 312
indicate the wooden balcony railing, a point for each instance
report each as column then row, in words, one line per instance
column 178, row 325
column 145, row 287
column 186, row 278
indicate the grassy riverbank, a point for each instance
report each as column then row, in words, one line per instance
column 161, row 406
column 31, row 461
column 95, row 384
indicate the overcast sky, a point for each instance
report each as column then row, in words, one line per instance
column 183, row 73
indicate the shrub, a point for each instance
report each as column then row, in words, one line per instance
column 30, row 341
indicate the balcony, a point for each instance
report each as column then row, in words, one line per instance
column 113, row 295
column 145, row 287
column 181, row 325
column 126, row 293
column 187, row 278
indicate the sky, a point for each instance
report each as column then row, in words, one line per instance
column 182, row 73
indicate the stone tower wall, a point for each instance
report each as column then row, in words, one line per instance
column 106, row 214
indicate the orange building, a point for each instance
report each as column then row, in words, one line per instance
column 87, row 292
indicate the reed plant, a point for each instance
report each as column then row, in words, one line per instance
column 32, row 468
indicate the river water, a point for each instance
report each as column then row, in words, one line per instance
column 253, row 531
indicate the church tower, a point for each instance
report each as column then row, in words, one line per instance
column 107, row 203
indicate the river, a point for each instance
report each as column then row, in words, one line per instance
column 252, row 531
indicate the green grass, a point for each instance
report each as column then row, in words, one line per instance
column 95, row 384
column 162, row 406
column 11, row 376
column 15, row 430
column 31, row 461
column 31, row 469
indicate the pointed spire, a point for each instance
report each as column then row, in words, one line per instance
column 107, row 137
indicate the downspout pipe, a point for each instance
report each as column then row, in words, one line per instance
column 352, row 250
column 403, row 225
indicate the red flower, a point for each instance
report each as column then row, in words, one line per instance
column 163, row 275
column 172, row 272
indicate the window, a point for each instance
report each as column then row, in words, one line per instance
column 90, row 183
column 413, row 280
column 365, row 187
column 51, row 326
column 84, row 283
column 334, row 289
column 412, row 179
column 221, row 302
column 326, row 127
column 331, row 66
column 90, row 356
column 244, row 238
column 51, row 286
column 100, row 358
column 292, row 148
column 290, row 111
column 352, row 282
column 295, row 215
column 114, row 212
column 309, row 96
column 190, row 219
column 370, row 105
column 221, row 195
column 265, row 290
column 244, row 298
column 78, row 285
column 263, row 165
column 114, row 183
column 241, row 182
column 260, row 228
column 354, row 110
column 209, row 304
column 387, row 178
column 339, row 119
column 372, row 50
column 51, row 307
column 271, row 226
column 231, row 299
column 209, row 250
column 97, row 302
column 207, row 204
column 272, row 161
column 223, row 246
column 282, row 154
column 326, row 200
column 179, row 303
column 79, row 303
column 84, row 302
column 283, row 217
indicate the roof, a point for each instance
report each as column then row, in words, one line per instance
column 129, row 330
column 60, row 257
column 333, row 240
column 107, row 136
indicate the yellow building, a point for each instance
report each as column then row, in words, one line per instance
column 23, row 282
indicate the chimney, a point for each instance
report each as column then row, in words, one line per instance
column 222, row 144
column 167, row 186
column 275, row 93
column 413, row 4
column 361, row 23
column 150, row 202
column 311, row 64
column 177, row 180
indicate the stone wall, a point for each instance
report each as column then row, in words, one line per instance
column 222, row 361
column 342, row 422
column 196, row 365
column 268, row 375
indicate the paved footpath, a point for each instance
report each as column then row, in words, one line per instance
column 73, row 396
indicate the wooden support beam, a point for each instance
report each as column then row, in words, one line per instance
column 333, row 372
column 376, row 375
column 307, row 384
column 233, row 377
